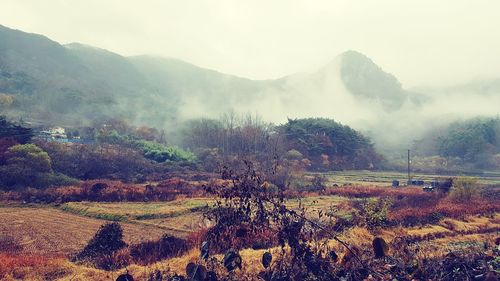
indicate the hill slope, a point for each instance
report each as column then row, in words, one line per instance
column 77, row 83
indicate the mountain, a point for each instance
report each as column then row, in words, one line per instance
column 364, row 79
column 76, row 84
column 48, row 80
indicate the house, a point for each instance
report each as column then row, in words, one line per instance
column 58, row 132
column 53, row 133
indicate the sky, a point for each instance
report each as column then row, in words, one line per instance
column 421, row 42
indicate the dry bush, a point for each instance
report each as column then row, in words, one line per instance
column 248, row 210
column 23, row 267
column 464, row 189
column 153, row 251
column 108, row 191
column 238, row 236
column 101, row 250
column 444, row 208
column 366, row 191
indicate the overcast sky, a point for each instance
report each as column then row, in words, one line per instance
column 421, row 42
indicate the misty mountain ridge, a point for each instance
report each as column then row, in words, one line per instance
column 50, row 82
column 79, row 75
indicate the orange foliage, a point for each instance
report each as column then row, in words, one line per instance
column 11, row 264
column 109, row 191
column 444, row 208
column 365, row 191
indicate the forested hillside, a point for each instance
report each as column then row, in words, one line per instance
column 474, row 142
column 330, row 145
column 42, row 80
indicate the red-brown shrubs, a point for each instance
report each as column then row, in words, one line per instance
column 443, row 208
column 108, row 191
column 237, row 237
column 13, row 265
column 153, row 251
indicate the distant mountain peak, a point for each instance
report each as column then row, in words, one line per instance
column 354, row 53
column 365, row 79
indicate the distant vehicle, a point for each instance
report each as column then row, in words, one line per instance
column 416, row 182
column 428, row 188
column 443, row 185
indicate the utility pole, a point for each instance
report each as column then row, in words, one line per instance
column 409, row 161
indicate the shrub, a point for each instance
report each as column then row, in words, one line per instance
column 153, row 251
column 464, row 189
column 101, row 248
column 373, row 213
column 25, row 163
column 294, row 154
column 161, row 153
column 54, row 179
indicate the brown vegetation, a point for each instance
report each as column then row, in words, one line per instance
column 50, row 231
column 108, row 191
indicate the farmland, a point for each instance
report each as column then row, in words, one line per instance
column 385, row 178
column 54, row 232
column 357, row 205
column 45, row 230
column 136, row 166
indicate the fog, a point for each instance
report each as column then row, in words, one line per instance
column 287, row 55
column 422, row 42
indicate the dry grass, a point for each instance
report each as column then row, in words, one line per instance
column 364, row 191
column 471, row 223
column 179, row 217
column 39, row 267
column 45, row 233
column 137, row 211
column 182, row 224
column 51, row 231
column 444, row 208
column 21, row 267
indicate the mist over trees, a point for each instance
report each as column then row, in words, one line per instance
column 326, row 144
column 330, row 145
column 230, row 134
column 473, row 142
column 165, row 110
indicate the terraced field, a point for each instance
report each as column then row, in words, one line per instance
column 66, row 228
column 130, row 211
column 179, row 217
